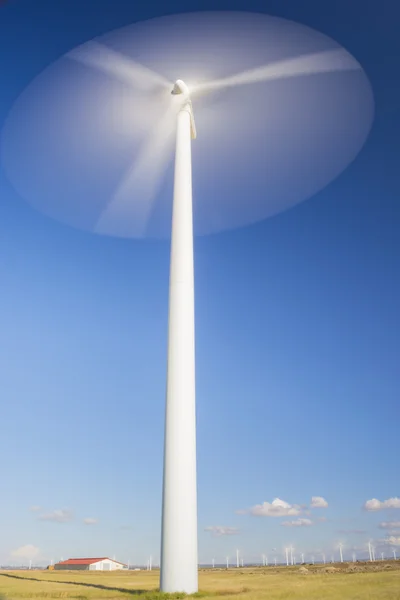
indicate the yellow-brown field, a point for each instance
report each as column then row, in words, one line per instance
column 370, row 582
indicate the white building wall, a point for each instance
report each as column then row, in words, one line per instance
column 106, row 565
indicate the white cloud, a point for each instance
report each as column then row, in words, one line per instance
column 277, row 508
column 219, row 530
column 298, row 523
column 322, row 519
column 393, row 540
column 374, row 504
column 35, row 508
column 389, row 525
column 58, row 516
column 28, row 552
column 90, row 521
column 318, row 502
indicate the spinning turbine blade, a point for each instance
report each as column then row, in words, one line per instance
column 98, row 56
column 130, row 209
column 72, row 134
column 308, row 64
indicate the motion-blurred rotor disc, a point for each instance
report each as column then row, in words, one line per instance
column 280, row 111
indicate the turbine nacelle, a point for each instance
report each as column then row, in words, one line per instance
column 180, row 87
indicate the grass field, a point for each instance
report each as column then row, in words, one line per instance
column 369, row 582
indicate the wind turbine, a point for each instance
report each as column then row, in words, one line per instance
column 394, row 554
column 287, row 556
column 340, row 550
column 288, row 82
column 370, row 551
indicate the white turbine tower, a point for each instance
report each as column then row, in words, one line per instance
column 91, row 132
column 179, row 508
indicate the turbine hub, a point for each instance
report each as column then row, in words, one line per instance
column 180, row 88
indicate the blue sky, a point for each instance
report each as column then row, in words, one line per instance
column 297, row 340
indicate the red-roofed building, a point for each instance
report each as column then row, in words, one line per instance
column 89, row 564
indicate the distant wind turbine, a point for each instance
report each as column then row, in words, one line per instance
column 370, row 551
column 340, row 550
